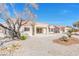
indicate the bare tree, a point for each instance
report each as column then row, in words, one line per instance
column 13, row 26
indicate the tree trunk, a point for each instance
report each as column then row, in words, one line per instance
column 14, row 34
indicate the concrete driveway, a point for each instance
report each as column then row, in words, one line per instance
column 44, row 46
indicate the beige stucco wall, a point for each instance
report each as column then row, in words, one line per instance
column 39, row 25
column 66, row 29
column 44, row 29
column 51, row 27
column 26, row 32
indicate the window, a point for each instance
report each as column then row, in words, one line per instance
column 26, row 29
column 39, row 30
column 51, row 29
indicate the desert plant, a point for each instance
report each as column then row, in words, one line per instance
column 23, row 37
column 69, row 33
column 63, row 38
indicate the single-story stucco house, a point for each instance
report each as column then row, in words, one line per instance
column 36, row 28
column 41, row 29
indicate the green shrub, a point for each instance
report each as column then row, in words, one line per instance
column 23, row 37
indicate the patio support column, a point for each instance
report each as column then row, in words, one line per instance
column 47, row 30
column 35, row 30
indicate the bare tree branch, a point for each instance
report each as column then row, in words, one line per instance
column 13, row 26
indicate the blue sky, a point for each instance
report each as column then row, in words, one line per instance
column 58, row 14
column 55, row 13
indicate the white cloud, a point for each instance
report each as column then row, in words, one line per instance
column 65, row 11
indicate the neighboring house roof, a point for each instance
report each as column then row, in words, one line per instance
column 57, row 27
column 68, row 28
column 61, row 27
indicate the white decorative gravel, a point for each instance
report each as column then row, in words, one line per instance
column 44, row 46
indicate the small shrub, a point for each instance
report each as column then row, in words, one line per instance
column 63, row 38
column 69, row 33
column 23, row 37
